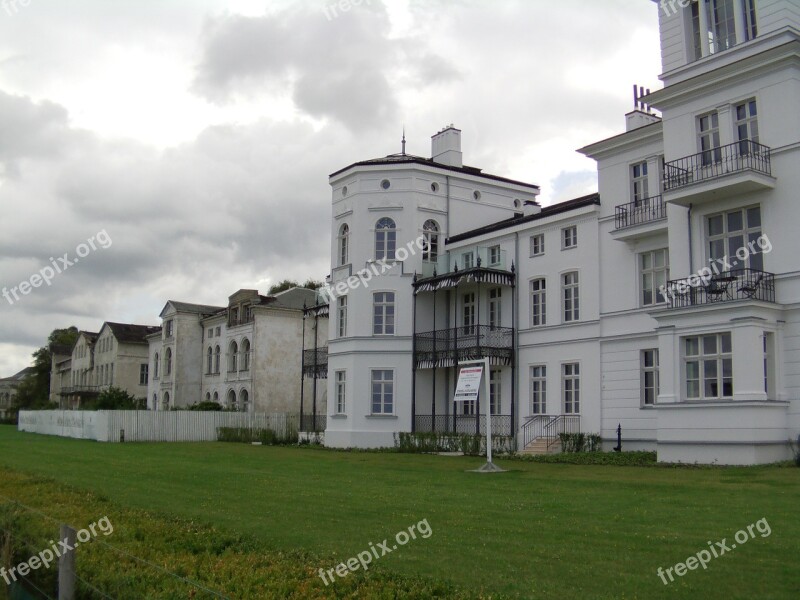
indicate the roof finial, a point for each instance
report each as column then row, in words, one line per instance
column 404, row 140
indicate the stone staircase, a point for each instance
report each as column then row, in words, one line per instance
column 539, row 446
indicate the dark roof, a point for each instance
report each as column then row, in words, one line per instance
column 203, row 309
column 131, row 334
column 20, row 376
column 547, row 211
column 395, row 159
column 65, row 349
column 295, row 298
column 90, row 335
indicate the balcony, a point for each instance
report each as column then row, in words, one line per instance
column 738, row 168
column 729, row 286
column 315, row 363
column 640, row 218
column 472, row 264
column 470, row 424
column 448, row 347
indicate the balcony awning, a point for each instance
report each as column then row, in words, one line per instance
column 458, row 278
column 320, row 310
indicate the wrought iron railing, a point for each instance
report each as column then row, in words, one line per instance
column 314, row 423
column 733, row 158
column 642, row 211
column 471, row 424
column 728, row 286
column 549, row 427
column 464, row 343
column 315, row 362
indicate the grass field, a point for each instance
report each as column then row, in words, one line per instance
column 538, row 531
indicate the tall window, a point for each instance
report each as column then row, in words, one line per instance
column 344, row 244
column 732, row 232
column 232, row 400
column 169, row 328
column 469, row 260
column 341, row 315
column 217, row 356
column 571, row 386
column 494, row 256
column 537, row 244
column 769, row 363
column 143, row 369
column 708, row 366
column 746, row 126
column 385, row 239
column 165, row 403
column 571, row 296
column 495, row 389
column 538, row 302
column 245, row 355
column 383, row 313
column 639, row 186
column 244, row 397
column 654, row 274
column 341, row 392
column 168, row 361
column 538, row 390
column 569, row 237
column 156, row 360
column 233, row 355
column 430, row 231
column 751, row 25
column 468, row 313
column 650, row 383
column 210, row 361
column 495, row 304
column 382, row 392
column 708, row 138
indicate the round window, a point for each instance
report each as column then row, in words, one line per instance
column 386, row 184
column 344, row 191
column 434, row 187
column 476, row 194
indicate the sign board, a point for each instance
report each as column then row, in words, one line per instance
column 469, row 384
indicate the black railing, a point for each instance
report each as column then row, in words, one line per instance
column 733, row 158
column 446, row 347
column 471, row 424
column 549, row 427
column 728, row 286
column 315, row 363
column 313, row 423
column 642, row 211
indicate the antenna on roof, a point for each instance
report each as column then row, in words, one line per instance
column 638, row 93
column 404, row 140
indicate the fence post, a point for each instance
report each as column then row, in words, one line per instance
column 66, row 566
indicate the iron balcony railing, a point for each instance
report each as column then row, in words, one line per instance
column 313, row 423
column 745, row 155
column 471, row 342
column 639, row 212
column 471, row 424
column 315, row 362
column 549, row 427
column 728, row 286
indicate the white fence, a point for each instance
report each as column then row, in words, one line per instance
column 150, row 426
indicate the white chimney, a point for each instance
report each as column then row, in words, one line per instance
column 446, row 147
column 529, row 207
column 638, row 118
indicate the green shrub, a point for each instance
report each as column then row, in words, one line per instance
column 268, row 437
column 633, row 459
column 469, row 444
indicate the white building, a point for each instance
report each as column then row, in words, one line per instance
column 581, row 307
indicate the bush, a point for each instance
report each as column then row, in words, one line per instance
column 268, row 437
column 469, row 444
column 206, row 405
column 632, row 459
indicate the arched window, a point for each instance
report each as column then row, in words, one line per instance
column 155, row 366
column 232, row 357
column 165, row 403
column 245, row 355
column 344, row 244
column 430, row 231
column 155, row 402
column 385, row 239
column 232, row 400
column 217, row 354
column 245, row 398
column 168, row 362
column 216, row 397
column 210, row 361
column 208, row 396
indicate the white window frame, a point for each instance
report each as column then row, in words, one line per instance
column 657, row 276
column 383, row 383
column 749, row 234
column 537, row 245
column 341, row 316
column 650, row 367
column 495, row 308
column 570, row 297
column 701, row 358
column 708, row 139
column 538, row 383
column 381, row 310
column 538, row 298
column 495, row 391
column 639, row 182
column 495, row 255
column 468, row 316
column 571, row 388
column 569, row 237
column 344, row 244
column 385, row 239
column 341, row 392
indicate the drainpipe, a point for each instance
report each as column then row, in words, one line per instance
column 514, row 340
column 691, row 249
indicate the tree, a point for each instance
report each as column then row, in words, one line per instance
column 34, row 391
column 114, row 399
column 288, row 284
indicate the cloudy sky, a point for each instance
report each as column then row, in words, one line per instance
column 197, row 135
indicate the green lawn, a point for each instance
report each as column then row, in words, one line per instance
column 539, row 531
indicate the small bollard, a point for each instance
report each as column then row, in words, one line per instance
column 122, row 435
column 619, row 438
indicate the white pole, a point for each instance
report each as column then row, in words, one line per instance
column 488, row 401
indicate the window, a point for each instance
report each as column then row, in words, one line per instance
column 233, row 354
column 653, row 275
column 344, row 241
column 341, row 392
column 382, row 392
column 569, row 237
column 341, row 312
column 468, row 313
column 245, row 355
column 494, row 256
column 650, row 383
column 495, row 305
column 769, row 363
column 216, row 397
column 383, row 313
column 746, row 126
column 751, row 25
column 571, row 385
column 734, row 234
column 430, row 232
column 538, row 302
column 155, row 402
column 210, row 332
column 232, row 400
column 233, row 316
column 218, row 331
column 495, row 395
column 169, row 325
column 469, row 260
column 571, row 296
column 386, row 184
column 168, row 362
column 156, row 361
column 244, row 397
column 708, row 367
column 385, row 239
column 217, row 355
column 708, row 138
column 468, row 407
column 210, row 361
column 538, row 390
column 720, row 25
column 165, row 402
column 143, row 370
column 537, row 244
column 639, row 187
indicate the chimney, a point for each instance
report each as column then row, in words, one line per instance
column 529, row 207
column 642, row 114
column 446, row 147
